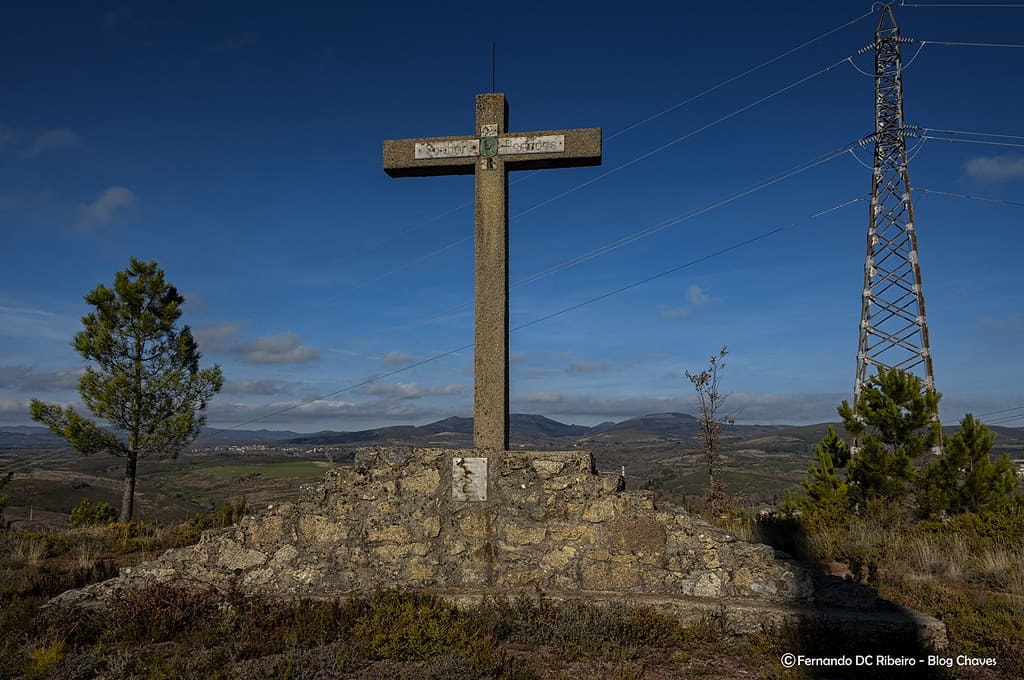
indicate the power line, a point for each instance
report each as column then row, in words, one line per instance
column 1007, row 419
column 46, row 456
column 607, row 173
column 947, row 4
column 1002, row 410
column 650, row 231
column 741, row 75
column 546, row 317
column 972, row 141
column 947, row 43
column 684, row 102
column 969, row 196
column 977, row 134
column 682, row 138
column 660, row 226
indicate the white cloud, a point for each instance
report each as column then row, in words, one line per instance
column 397, row 359
column 109, row 206
column 53, row 381
column 260, row 387
column 12, row 376
column 544, row 397
column 995, row 168
column 195, row 303
column 28, row 322
column 581, row 369
column 696, row 297
column 409, row 390
column 324, row 414
column 284, row 348
column 217, row 337
column 746, row 408
column 14, row 410
column 1011, row 322
column 52, row 140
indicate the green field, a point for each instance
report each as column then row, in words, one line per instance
column 167, row 490
column 275, row 470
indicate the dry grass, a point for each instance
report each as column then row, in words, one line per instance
column 29, row 551
column 86, row 553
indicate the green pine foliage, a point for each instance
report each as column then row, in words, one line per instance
column 85, row 514
column 826, row 492
column 144, row 379
column 894, row 423
column 964, row 478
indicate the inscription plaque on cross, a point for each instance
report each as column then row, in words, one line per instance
column 491, row 153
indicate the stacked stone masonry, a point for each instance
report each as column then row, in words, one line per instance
column 549, row 524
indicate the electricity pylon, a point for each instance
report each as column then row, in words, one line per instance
column 893, row 330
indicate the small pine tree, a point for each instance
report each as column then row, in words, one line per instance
column 144, row 379
column 964, row 478
column 84, row 514
column 893, row 420
column 825, row 491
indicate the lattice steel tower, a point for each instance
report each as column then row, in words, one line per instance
column 893, row 331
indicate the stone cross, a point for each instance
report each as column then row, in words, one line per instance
column 491, row 153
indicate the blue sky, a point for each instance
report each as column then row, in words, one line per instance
column 239, row 145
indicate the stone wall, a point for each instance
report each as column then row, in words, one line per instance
column 549, row 524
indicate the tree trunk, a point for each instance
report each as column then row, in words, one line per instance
column 128, row 498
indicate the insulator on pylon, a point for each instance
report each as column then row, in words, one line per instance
column 910, row 226
column 912, row 257
column 915, row 288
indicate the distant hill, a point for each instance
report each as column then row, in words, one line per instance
column 657, row 427
column 525, row 429
column 666, row 430
column 248, row 435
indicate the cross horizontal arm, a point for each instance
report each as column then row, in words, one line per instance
column 400, row 157
column 518, row 150
column 582, row 147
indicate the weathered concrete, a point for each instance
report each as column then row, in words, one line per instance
column 492, row 153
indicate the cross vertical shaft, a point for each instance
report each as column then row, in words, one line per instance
column 490, row 347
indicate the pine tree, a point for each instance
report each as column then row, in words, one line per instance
column 825, row 491
column 964, row 478
column 146, row 382
column 894, row 423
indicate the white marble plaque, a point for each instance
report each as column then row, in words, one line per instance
column 469, row 479
column 532, row 144
column 453, row 148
